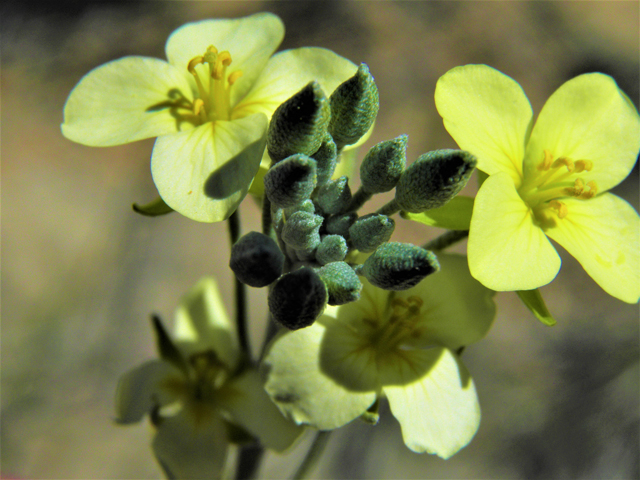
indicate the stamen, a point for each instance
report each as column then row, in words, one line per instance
column 223, row 60
column 582, row 165
column 234, row 76
column 564, row 161
column 593, row 190
column 546, row 163
column 577, row 189
column 560, row 207
column 193, row 63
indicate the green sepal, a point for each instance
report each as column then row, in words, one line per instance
column 454, row 215
column 534, row 302
column 167, row 350
column 153, row 209
column 372, row 415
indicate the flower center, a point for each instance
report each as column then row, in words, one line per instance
column 553, row 180
column 402, row 323
column 214, row 85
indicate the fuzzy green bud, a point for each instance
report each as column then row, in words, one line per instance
column 332, row 248
column 334, row 196
column 398, row 266
column 306, row 206
column 291, row 181
column 371, row 231
column 299, row 125
column 383, row 165
column 298, row 298
column 343, row 285
column 339, row 224
column 326, row 159
column 302, row 230
column 434, row 179
column 256, row 260
column 354, row 106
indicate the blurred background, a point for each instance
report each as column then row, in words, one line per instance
column 81, row 272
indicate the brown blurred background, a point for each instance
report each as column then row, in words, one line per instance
column 81, row 272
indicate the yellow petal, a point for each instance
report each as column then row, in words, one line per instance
column 487, row 114
column 250, row 41
column 507, row 250
column 288, row 71
column 205, row 173
column 245, row 399
column 457, row 310
column 603, row 234
column 124, row 101
column 454, row 215
column 187, row 451
column 588, row 118
column 439, row 411
column 302, row 390
column 201, row 323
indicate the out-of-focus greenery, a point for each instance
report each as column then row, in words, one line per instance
column 81, row 272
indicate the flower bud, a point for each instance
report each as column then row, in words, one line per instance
column 371, row 231
column 398, row 266
column 332, row 248
column 306, row 206
column 299, row 125
column 383, row 165
column 256, row 260
column 302, row 230
column 298, row 298
column 339, row 224
column 434, row 179
column 334, row 196
column 343, row 285
column 291, row 181
column 354, row 106
column 326, row 158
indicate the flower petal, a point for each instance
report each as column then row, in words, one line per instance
column 188, row 451
column 454, row 215
column 588, row 118
column 245, row 399
column 250, row 41
column 603, row 234
column 288, row 71
column 205, row 173
column 507, row 250
column 439, row 412
column 202, row 322
column 125, row 100
column 302, row 391
column 139, row 390
column 457, row 310
column 487, row 114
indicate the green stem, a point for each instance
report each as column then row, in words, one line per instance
column 358, row 200
column 267, row 227
column 241, row 291
column 389, row 208
column 313, row 455
column 446, row 239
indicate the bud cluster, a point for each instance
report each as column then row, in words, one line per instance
column 318, row 231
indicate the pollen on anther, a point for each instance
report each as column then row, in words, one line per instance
column 593, row 190
column 193, row 63
column 582, row 165
column 234, row 76
column 577, row 189
column 564, row 161
column 546, row 163
column 560, row 207
column 223, row 60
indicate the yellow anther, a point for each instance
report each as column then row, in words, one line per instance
column 233, row 77
column 198, row 105
column 212, row 49
column 223, row 61
column 593, row 190
column 577, row 189
column 582, row 165
column 546, row 163
column 193, row 63
column 560, row 207
column 564, row 161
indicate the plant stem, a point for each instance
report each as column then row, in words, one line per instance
column 388, row 209
column 446, row 239
column 241, row 292
column 248, row 462
column 313, row 455
column 358, row 200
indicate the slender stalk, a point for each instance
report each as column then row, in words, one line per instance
column 240, row 291
column 446, row 239
column 249, row 461
column 313, row 455
column 267, row 228
column 389, row 208
column 358, row 200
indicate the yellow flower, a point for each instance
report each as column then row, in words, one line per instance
column 209, row 106
column 547, row 180
column 399, row 344
column 199, row 393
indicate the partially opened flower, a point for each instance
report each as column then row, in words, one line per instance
column 547, row 180
column 199, row 395
column 403, row 345
column 209, row 106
